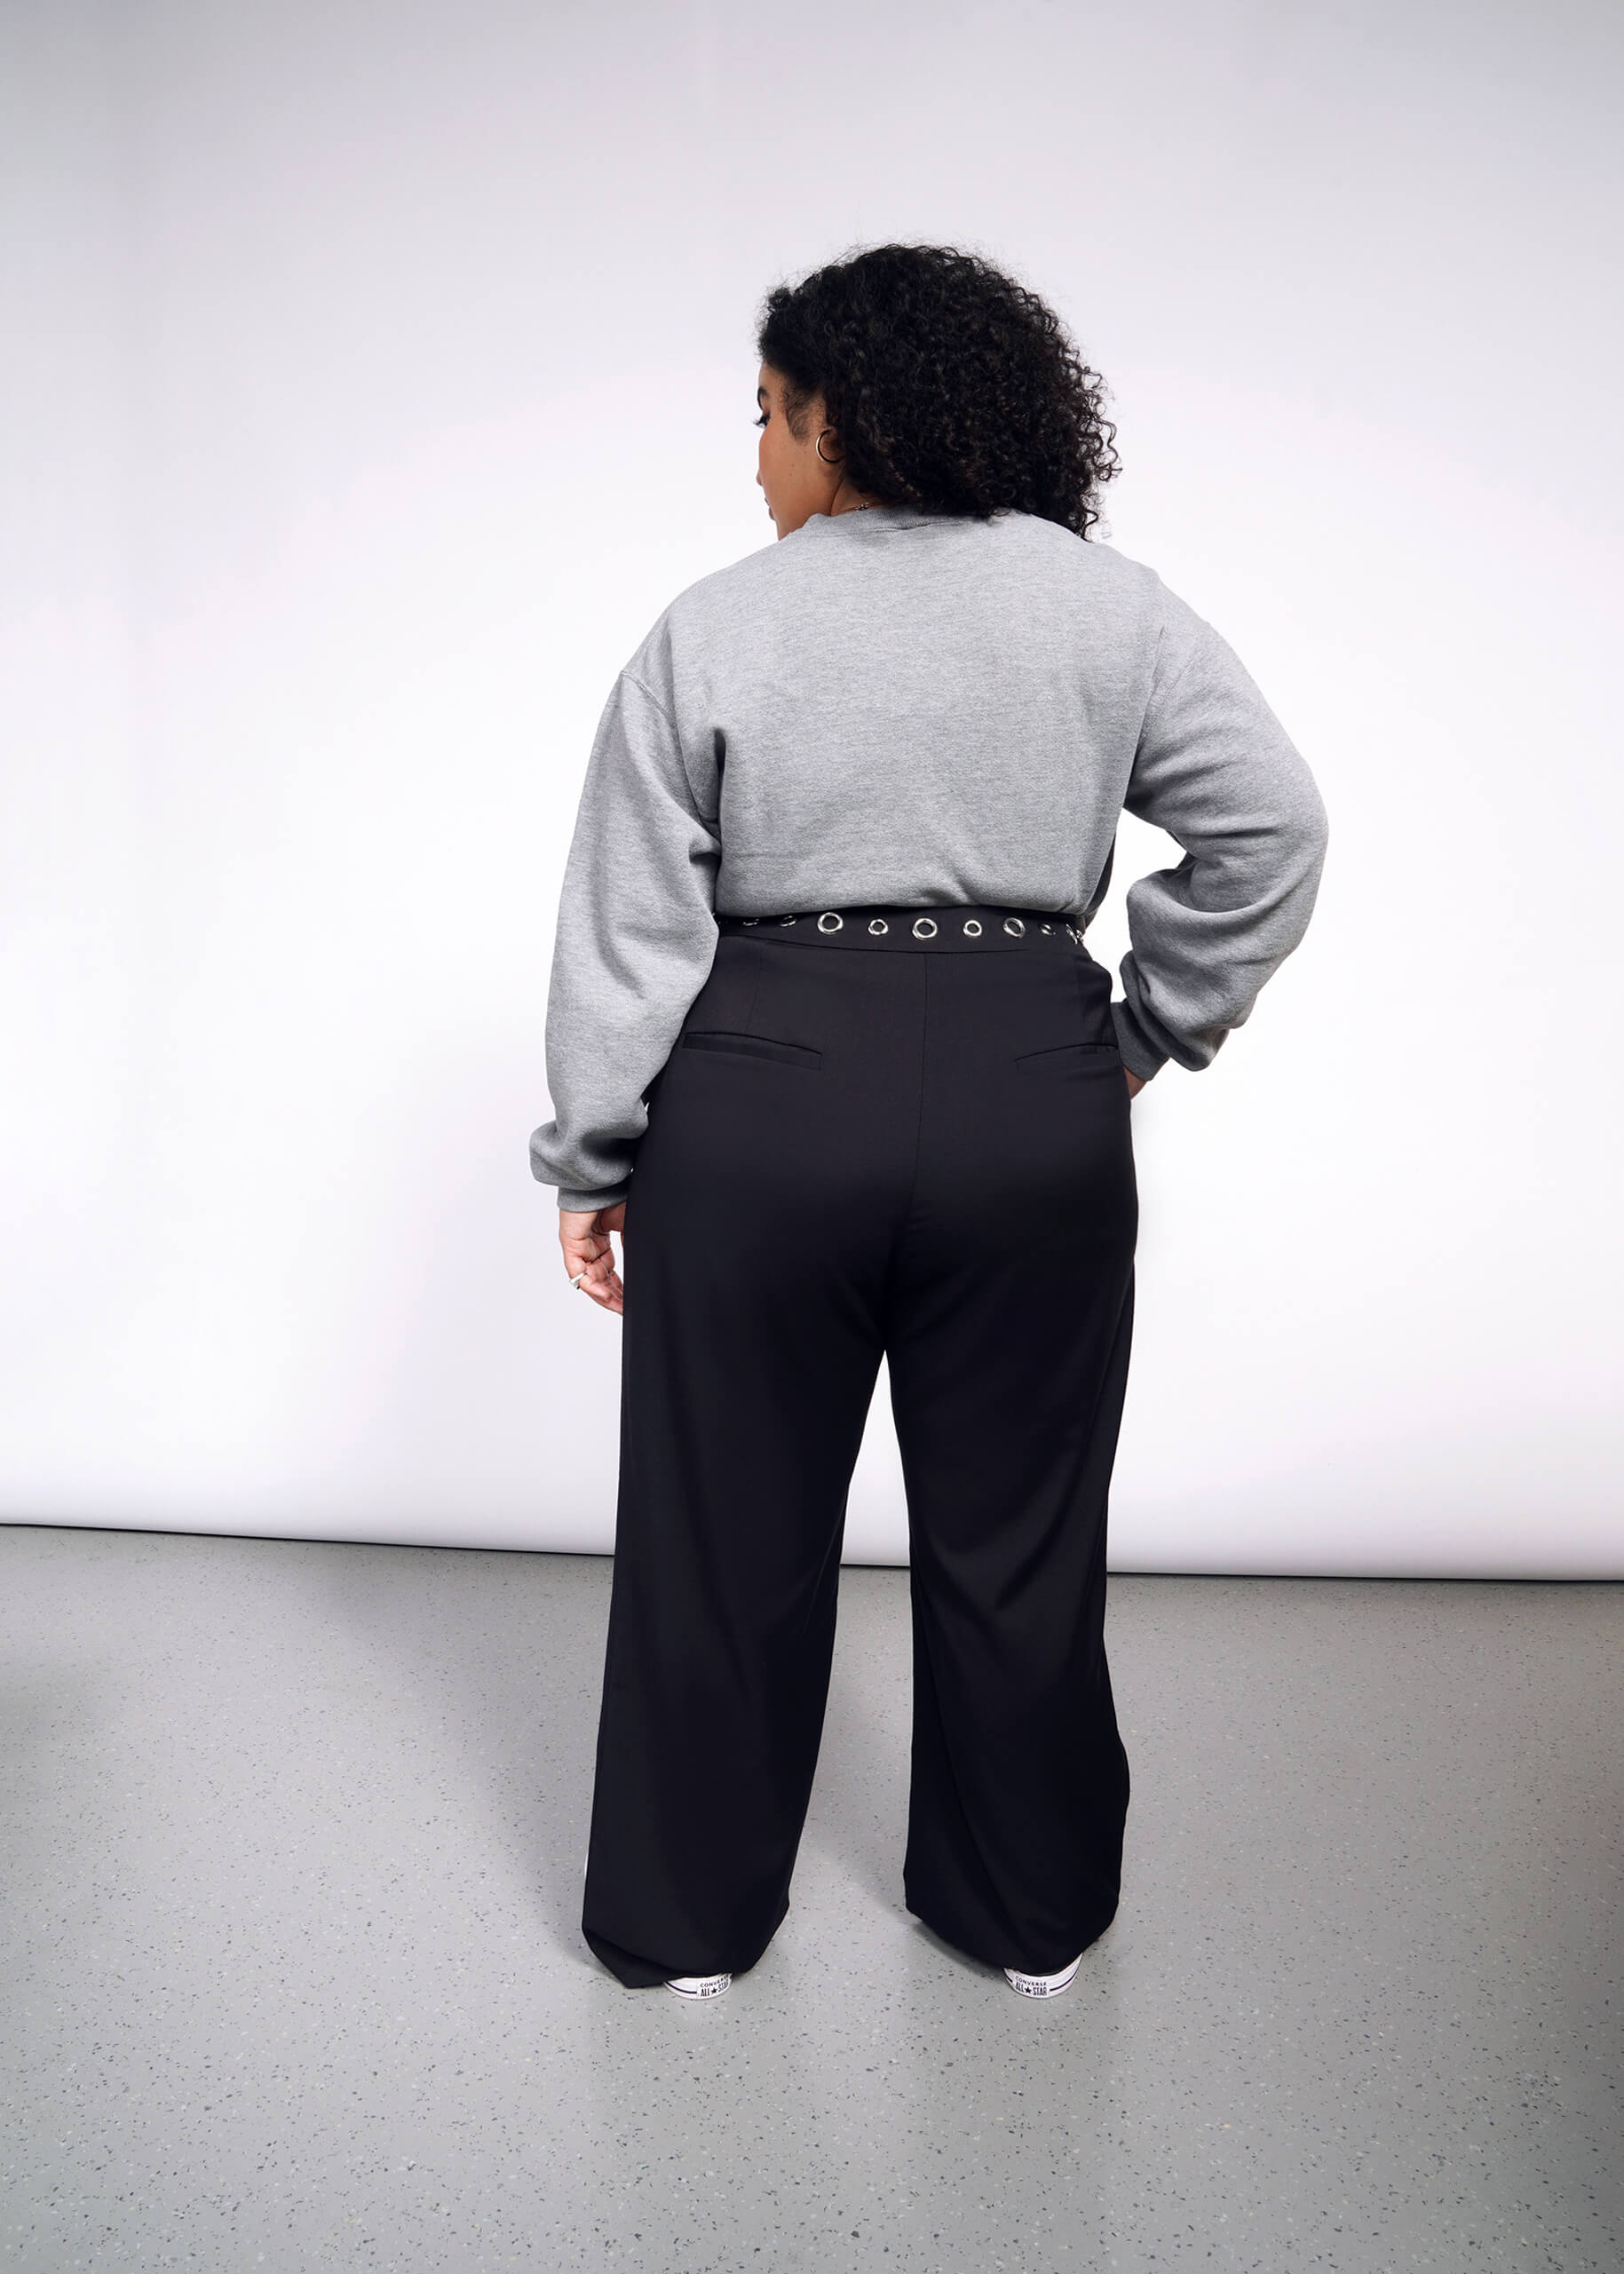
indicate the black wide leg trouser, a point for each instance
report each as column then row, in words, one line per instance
column 912, row 1140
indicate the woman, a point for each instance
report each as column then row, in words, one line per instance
column 827, row 1047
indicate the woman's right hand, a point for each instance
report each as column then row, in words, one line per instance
column 1135, row 1083
column 588, row 1257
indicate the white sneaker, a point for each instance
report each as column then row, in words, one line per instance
column 1043, row 1985
column 705, row 1986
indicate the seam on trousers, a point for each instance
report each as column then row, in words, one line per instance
column 924, row 1057
column 905, row 1214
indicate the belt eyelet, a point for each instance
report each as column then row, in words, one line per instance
column 924, row 927
column 1015, row 928
column 1046, row 929
column 972, row 928
column 789, row 919
column 878, row 925
column 830, row 921
column 748, row 921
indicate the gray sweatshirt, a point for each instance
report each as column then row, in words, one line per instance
column 896, row 708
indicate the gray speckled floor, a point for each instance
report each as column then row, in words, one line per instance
column 292, row 1841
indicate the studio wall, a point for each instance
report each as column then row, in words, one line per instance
column 377, row 376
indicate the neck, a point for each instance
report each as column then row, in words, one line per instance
column 847, row 500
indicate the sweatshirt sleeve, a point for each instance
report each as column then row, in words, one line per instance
column 1214, row 769
column 636, row 938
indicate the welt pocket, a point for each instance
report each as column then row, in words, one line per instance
column 754, row 1046
column 1071, row 1057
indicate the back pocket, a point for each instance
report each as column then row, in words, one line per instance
column 754, row 1046
column 1071, row 1057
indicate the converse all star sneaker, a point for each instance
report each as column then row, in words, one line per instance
column 1043, row 1985
column 702, row 1986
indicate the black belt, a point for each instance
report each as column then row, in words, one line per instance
column 959, row 927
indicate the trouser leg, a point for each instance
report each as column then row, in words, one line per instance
column 737, row 1448
column 751, row 1346
column 1019, row 1784
column 1010, row 1332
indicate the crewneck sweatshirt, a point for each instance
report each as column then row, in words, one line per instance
column 916, row 710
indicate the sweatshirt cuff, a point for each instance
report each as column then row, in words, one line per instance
column 576, row 1200
column 1139, row 1056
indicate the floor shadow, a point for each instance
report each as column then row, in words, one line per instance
column 504, row 1649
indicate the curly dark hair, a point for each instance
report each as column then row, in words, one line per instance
column 952, row 388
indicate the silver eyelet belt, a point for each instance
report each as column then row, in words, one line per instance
column 958, row 927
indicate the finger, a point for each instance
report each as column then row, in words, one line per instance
column 589, row 1260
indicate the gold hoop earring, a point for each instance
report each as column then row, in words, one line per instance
column 817, row 447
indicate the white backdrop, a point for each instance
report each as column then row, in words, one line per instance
column 373, row 377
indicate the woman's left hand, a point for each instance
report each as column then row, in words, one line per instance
column 588, row 1259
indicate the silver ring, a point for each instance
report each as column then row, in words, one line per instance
column 788, row 919
column 972, row 928
column 877, row 924
column 831, row 922
column 924, row 927
column 1015, row 928
column 1046, row 930
column 749, row 919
